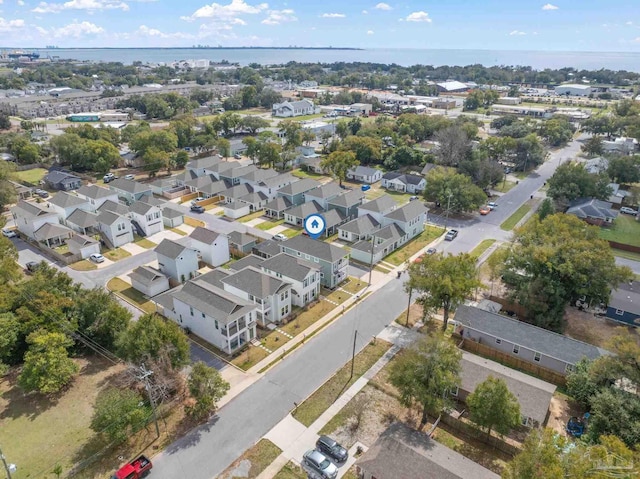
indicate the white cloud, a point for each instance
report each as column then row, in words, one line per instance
column 516, row 32
column 629, row 23
column 222, row 13
column 145, row 31
column 364, row 12
column 549, row 6
column 370, row 32
column 333, row 15
column 276, row 17
column 77, row 30
column 383, row 6
column 418, row 17
column 90, row 5
column 7, row 26
column 21, row 2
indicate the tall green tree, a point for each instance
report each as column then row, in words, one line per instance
column 269, row 153
column 5, row 122
column 179, row 159
column 118, row 413
column 206, row 387
column 47, row 366
column 546, row 208
column 570, row 182
column 368, row 150
column 529, row 152
column 7, row 190
column 426, row 373
column 339, row 163
column 252, row 147
column 454, row 190
column 224, row 147
column 593, row 146
column 624, row 169
column 100, row 316
column 253, row 123
column 155, row 160
column 443, row 282
column 493, row 407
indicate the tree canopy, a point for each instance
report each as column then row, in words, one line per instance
column 493, row 406
column 454, row 190
column 570, row 182
column 339, row 163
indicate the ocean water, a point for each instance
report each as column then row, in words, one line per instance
column 405, row 57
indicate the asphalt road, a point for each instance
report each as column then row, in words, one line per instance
column 634, row 265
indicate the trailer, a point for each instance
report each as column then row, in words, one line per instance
column 136, row 469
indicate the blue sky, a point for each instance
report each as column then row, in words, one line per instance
column 567, row 25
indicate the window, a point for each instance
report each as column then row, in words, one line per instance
column 619, row 312
column 455, row 392
column 536, row 356
column 569, row 368
column 191, row 310
column 203, row 315
column 498, row 340
column 215, row 322
column 516, row 349
column 285, row 310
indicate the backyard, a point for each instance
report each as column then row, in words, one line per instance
column 116, row 254
column 32, row 176
column 130, row 295
column 625, row 230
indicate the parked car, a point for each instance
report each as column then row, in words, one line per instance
column 431, row 251
column 129, row 177
column 279, row 237
column 197, row 209
column 492, row 205
column 485, row 210
column 198, row 199
column 507, row 170
column 97, row 258
column 7, row 233
column 451, row 234
column 331, row 449
column 413, row 198
column 108, row 177
column 628, row 211
column 41, row 193
column 319, row 464
column 237, row 156
column 32, row 266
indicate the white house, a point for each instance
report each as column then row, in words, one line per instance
column 203, row 307
column 83, row 245
column 271, row 295
column 404, row 183
column 129, row 190
column 82, row 221
column 304, row 276
column 147, row 219
column 96, row 195
column 116, row 229
column 364, row 174
column 149, row 281
column 211, row 246
column 64, row 204
column 29, row 217
column 293, row 108
column 177, row 261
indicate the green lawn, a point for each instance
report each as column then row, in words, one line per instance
column 252, row 216
column 319, row 401
column 307, row 117
column 625, row 230
column 291, row 471
column 353, row 285
column 412, row 247
column 260, row 455
column 400, row 198
column 626, row 254
column 306, row 174
column 504, row 186
column 131, row 295
column 117, row 254
column 268, row 224
column 84, row 265
column 178, row 231
column 144, row 242
column 31, row 176
column 515, row 218
column 482, row 247
column 290, row 232
column 304, row 319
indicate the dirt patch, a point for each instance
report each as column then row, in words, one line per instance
column 560, row 410
column 596, row 330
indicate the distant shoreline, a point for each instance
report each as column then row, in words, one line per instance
column 184, row 48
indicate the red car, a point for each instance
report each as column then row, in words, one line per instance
column 485, row 210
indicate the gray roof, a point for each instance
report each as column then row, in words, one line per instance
column 66, row 200
column 298, row 187
column 109, row 217
column 171, row 213
column 114, row 207
column 527, row 335
column 249, row 260
column 205, row 162
column 390, row 232
column 289, row 266
column 200, row 181
column 214, row 277
column 51, row 231
column 333, row 218
column 315, row 248
column 596, row 165
column 55, row 177
column 140, row 207
column 267, row 248
column 170, row 249
column 30, row 210
column 241, row 239
column 591, row 208
column 258, row 174
column 146, row 275
column 253, row 281
column 326, row 191
column 83, row 219
column 238, row 191
column 363, row 171
column 95, row 192
column 626, row 297
column 305, row 209
column 402, row 452
column 533, row 394
column 240, row 171
column 408, row 212
column 129, row 186
column 427, row 168
column 405, row 178
column 281, row 203
column 82, row 240
column 278, row 181
column 252, row 198
column 365, row 224
column 223, row 166
column 185, row 176
column 350, row 198
column 204, row 235
column 214, row 187
column 379, row 205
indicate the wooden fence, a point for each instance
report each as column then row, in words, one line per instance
column 624, row 247
column 190, row 196
column 467, row 429
column 508, row 360
column 188, row 220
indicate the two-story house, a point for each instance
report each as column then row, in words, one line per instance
column 212, row 247
column 378, row 208
column 218, row 170
column 84, row 222
column 288, row 196
column 198, row 166
column 116, row 229
column 323, row 194
column 203, row 307
column 177, row 261
column 333, row 261
column 270, row 186
column 303, row 275
column 296, row 214
column 96, row 195
column 347, row 203
column 130, row 191
column 272, row 296
column 29, row 217
column 64, row 204
column 146, row 218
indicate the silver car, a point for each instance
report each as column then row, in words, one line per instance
column 319, row 464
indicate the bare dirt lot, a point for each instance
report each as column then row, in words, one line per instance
column 596, row 330
column 560, row 410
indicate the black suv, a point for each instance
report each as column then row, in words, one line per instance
column 332, row 449
column 197, row 209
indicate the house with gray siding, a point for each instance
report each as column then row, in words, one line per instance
column 294, row 192
column 176, row 260
column 130, row 191
column 96, row 195
column 323, row 194
column 333, row 261
column 347, row 203
column 522, row 340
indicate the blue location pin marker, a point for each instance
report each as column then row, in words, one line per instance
column 314, row 225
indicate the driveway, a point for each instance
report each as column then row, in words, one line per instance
column 198, row 353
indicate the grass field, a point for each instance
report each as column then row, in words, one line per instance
column 625, row 230
column 504, row 186
column 290, row 232
column 306, row 174
column 268, row 224
column 117, row 254
column 252, row 216
column 31, row 176
column 84, row 265
column 482, row 247
column 143, row 242
column 412, row 247
column 291, row 471
column 131, row 295
column 515, row 218
column 259, row 456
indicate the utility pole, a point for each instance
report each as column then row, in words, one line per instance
column 144, row 376
column 11, row 467
column 409, row 305
column 446, row 221
column 353, row 354
column 373, row 245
